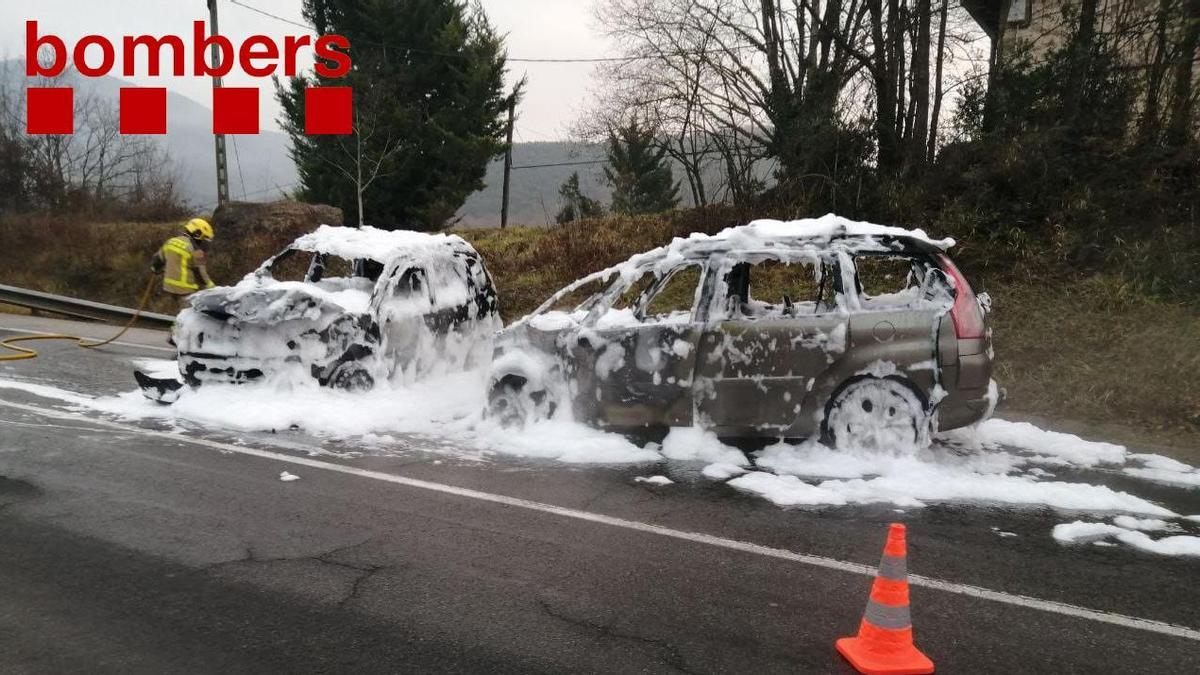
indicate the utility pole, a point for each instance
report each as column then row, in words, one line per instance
column 512, row 109
column 222, row 167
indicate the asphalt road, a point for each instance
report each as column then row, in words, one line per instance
column 129, row 547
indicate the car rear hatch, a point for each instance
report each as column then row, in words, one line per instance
column 964, row 342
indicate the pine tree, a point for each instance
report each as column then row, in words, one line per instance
column 639, row 172
column 429, row 110
column 576, row 205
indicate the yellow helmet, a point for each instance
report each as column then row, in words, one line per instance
column 200, row 229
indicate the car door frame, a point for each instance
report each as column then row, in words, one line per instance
column 901, row 341
column 648, row 383
column 763, row 394
column 392, row 275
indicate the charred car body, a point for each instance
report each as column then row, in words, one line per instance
column 864, row 334
column 346, row 307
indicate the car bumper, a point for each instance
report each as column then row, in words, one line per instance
column 199, row 368
column 963, row 408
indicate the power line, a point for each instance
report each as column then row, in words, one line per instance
column 697, row 153
column 237, row 157
column 211, row 205
column 511, row 59
column 273, row 16
column 544, row 166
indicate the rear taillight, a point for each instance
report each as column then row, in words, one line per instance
column 966, row 312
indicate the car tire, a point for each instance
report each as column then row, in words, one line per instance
column 513, row 403
column 876, row 414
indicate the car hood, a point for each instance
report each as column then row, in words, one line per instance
column 271, row 302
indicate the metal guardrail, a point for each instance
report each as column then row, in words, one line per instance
column 80, row 309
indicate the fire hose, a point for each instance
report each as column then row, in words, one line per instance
column 86, row 343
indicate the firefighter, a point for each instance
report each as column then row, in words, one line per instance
column 181, row 261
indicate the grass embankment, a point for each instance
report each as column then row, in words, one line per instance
column 1086, row 347
column 110, row 262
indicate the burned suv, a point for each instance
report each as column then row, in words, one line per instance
column 347, row 307
column 866, row 335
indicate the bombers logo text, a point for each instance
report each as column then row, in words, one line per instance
column 143, row 110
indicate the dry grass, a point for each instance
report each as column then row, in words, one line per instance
column 109, row 262
column 531, row 263
column 1088, row 350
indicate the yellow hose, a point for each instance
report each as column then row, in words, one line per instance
column 27, row 353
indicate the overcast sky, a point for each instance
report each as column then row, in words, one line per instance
column 535, row 29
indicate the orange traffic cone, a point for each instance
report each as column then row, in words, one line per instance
column 884, row 645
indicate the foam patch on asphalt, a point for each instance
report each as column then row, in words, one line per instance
column 654, row 480
column 1011, row 464
column 1080, row 532
column 696, row 444
column 447, row 408
column 1163, row 470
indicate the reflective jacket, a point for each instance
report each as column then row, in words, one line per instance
column 183, row 266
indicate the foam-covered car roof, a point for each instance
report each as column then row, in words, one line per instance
column 376, row 244
column 829, row 231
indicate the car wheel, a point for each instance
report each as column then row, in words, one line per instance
column 513, row 403
column 881, row 414
column 351, row 376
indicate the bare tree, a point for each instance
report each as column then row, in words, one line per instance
column 96, row 163
column 359, row 160
column 938, row 90
column 734, row 84
column 1183, row 94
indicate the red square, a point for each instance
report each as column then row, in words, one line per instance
column 143, row 110
column 235, row 110
column 328, row 110
column 50, row 110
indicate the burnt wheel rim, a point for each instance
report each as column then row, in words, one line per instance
column 876, row 414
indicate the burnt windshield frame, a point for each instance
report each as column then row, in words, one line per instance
column 663, row 279
column 272, row 265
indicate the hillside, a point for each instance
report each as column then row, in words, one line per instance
column 534, row 191
column 259, row 165
column 260, row 168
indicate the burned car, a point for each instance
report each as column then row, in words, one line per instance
column 865, row 335
column 346, row 307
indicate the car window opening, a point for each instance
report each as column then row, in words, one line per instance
column 411, row 283
column 291, row 265
column 775, row 289
column 633, row 296
column 580, row 301
column 674, row 297
column 325, row 270
column 892, row 282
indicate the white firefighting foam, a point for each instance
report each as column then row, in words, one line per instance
column 998, row 463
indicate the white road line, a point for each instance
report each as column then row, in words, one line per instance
column 87, row 337
column 1148, row 625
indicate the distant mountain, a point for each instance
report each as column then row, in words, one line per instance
column 533, row 198
column 539, row 169
column 259, row 165
column 260, row 168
